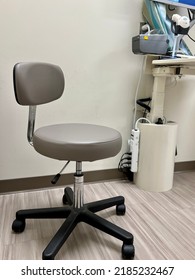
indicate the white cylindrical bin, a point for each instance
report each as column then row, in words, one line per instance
column 156, row 156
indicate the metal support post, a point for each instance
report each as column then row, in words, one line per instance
column 78, row 200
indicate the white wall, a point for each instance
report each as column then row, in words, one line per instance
column 91, row 41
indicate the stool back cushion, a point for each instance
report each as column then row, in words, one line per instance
column 37, row 83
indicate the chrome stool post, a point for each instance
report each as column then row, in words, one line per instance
column 78, row 199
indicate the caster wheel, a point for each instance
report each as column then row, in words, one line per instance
column 120, row 209
column 64, row 200
column 67, row 198
column 128, row 252
column 18, row 226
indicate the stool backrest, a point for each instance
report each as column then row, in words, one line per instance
column 37, row 83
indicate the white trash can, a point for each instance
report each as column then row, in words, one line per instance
column 156, row 156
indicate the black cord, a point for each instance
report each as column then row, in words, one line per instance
column 125, row 165
column 145, row 111
column 125, row 157
column 189, row 14
column 191, row 38
column 141, row 102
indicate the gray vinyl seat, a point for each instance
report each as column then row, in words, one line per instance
column 77, row 142
column 38, row 83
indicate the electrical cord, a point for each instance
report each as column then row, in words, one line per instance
column 141, row 119
column 124, row 166
column 137, row 88
column 191, row 38
column 189, row 15
column 125, row 157
column 141, row 102
column 145, row 111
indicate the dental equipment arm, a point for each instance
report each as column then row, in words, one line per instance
column 180, row 26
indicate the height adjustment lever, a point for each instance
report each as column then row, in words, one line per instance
column 57, row 176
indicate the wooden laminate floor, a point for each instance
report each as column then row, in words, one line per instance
column 163, row 224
